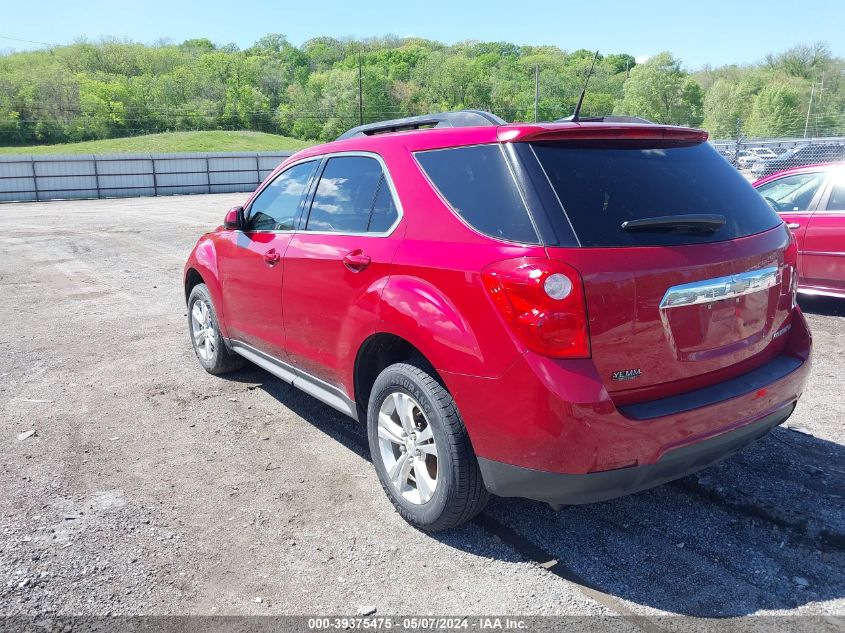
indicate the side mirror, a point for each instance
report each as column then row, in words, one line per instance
column 234, row 219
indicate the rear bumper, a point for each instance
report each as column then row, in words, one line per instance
column 507, row 480
column 550, row 417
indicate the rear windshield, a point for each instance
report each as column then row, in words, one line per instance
column 603, row 184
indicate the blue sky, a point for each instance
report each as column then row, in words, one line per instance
column 704, row 32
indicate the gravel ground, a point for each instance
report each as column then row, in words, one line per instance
column 151, row 487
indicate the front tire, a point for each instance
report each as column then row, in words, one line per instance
column 421, row 450
column 204, row 329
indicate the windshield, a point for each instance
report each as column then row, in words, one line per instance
column 602, row 184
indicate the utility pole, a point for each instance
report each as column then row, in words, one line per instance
column 809, row 105
column 360, row 93
column 536, row 93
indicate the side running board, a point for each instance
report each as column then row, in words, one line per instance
column 311, row 385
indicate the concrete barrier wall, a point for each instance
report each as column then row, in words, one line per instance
column 33, row 178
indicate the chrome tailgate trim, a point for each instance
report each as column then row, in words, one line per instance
column 720, row 288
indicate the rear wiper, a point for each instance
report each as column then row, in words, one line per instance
column 693, row 222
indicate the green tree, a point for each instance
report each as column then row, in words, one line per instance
column 661, row 91
column 198, row 45
column 806, row 61
column 114, row 87
column 726, row 106
column 776, row 112
column 620, row 62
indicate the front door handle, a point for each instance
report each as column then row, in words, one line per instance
column 356, row 260
column 793, row 225
column 272, row 257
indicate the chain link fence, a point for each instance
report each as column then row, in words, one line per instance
column 758, row 158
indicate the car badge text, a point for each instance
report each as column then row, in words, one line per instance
column 627, row 374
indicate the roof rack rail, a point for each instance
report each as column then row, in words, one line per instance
column 606, row 119
column 456, row 118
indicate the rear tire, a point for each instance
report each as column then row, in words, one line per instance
column 421, row 450
column 204, row 330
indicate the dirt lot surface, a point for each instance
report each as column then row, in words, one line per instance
column 151, row 487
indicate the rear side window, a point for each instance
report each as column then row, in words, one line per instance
column 602, row 184
column 352, row 197
column 479, row 186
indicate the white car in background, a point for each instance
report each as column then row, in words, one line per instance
column 753, row 154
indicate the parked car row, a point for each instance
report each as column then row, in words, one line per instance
column 764, row 161
column 753, row 155
column 744, row 158
column 798, row 157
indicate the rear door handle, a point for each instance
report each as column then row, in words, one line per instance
column 793, row 225
column 272, row 257
column 356, row 260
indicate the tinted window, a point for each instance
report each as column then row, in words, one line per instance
column 276, row 206
column 384, row 211
column 792, row 193
column 345, row 195
column 603, row 184
column 478, row 184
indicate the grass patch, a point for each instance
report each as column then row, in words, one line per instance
column 170, row 142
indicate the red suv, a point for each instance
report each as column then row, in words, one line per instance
column 567, row 311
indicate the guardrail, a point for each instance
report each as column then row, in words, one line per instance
column 86, row 176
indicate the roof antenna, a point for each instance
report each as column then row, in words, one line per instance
column 574, row 117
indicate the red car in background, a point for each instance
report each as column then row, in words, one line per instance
column 566, row 311
column 811, row 200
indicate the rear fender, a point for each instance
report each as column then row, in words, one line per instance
column 418, row 312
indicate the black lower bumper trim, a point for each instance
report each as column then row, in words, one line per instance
column 776, row 369
column 507, row 480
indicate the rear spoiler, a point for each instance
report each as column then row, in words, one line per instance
column 598, row 131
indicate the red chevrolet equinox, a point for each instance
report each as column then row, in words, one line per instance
column 567, row 311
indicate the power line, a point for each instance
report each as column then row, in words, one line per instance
column 17, row 39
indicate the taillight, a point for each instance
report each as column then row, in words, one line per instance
column 543, row 302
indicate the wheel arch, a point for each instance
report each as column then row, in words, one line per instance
column 375, row 354
column 192, row 278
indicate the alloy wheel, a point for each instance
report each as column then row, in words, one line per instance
column 202, row 328
column 407, row 447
